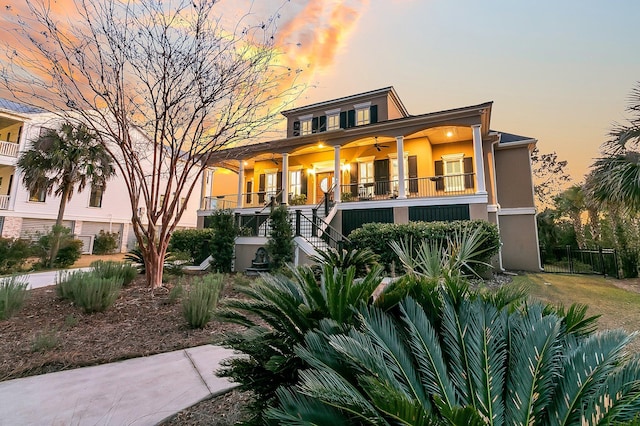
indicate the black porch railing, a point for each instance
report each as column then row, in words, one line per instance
column 570, row 260
column 317, row 232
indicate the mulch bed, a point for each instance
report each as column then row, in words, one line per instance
column 49, row 334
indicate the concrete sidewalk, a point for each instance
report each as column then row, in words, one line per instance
column 139, row 391
column 46, row 278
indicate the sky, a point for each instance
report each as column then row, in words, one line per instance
column 559, row 71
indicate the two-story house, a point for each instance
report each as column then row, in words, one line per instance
column 26, row 215
column 371, row 161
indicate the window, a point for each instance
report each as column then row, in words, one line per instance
column 271, row 185
column 95, row 199
column 333, row 122
column 453, row 169
column 306, row 126
column 295, row 183
column 366, row 180
column 38, row 196
column 395, row 174
column 362, row 116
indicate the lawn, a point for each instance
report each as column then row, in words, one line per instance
column 619, row 308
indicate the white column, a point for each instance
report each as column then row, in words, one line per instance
column 240, row 203
column 13, row 191
column 337, row 179
column 479, row 159
column 206, row 189
column 285, row 178
column 402, row 191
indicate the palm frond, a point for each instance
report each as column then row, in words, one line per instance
column 297, row 409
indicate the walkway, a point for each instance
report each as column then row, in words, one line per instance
column 139, row 391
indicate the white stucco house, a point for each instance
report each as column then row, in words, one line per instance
column 23, row 214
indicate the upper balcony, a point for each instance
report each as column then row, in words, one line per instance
column 8, row 152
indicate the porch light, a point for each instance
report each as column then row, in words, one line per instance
column 320, row 145
column 345, row 167
column 449, row 133
column 246, row 163
column 311, row 171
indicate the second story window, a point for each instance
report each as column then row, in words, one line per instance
column 95, row 199
column 38, row 196
column 333, row 119
column 306, row 125
column 362, row 116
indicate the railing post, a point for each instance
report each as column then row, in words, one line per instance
column 238, row 221
column 256, row 225
column 569, row 261
column 326, row 204
column 298, row 220
column 314, row 226
column 602, row 265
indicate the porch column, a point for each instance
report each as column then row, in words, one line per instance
column 402, row 191
column 206, row 189
column 479, row 159
column 240, row 184
column 285, row 178
column 337, row 179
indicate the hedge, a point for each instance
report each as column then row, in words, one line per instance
column 376, row 236
column 196, row 242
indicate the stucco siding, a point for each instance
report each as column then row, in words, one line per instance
column 513, row 172
column 519, row 242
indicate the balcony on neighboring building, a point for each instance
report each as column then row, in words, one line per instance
column 4, row 202
column 9, row 149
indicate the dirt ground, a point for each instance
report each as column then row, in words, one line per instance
column 87, row 259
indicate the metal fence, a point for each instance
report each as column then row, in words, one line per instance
column 569, row 260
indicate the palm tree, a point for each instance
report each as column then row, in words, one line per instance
column 615, row 177
column 61, row 160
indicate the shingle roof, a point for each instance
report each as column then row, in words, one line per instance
column 17, row 107
column 511, row 138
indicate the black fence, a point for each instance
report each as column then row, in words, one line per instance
column 568, row 260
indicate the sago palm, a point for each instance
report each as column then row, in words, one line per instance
column 481, row 365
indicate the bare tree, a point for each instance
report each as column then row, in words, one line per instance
column 163, row 85
column 550, row 176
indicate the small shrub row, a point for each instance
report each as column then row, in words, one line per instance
column 88, row 290
column 106, row 242
column 377, row 236
column 13, row 292
column 111, row 269
column 199, row 302
column 13, row 254
column 69, row 250
column 196, row 242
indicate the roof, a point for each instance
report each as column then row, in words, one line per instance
column 389, row 89
column 18, row 107
column 507, row 138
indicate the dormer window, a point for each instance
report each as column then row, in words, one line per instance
column 333, row 119
column 363, row 115
column 306, row 127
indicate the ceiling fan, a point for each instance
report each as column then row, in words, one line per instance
column 378, row 146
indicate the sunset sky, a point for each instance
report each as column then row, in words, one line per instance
column 559, row 71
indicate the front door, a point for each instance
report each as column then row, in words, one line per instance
column 324, row 183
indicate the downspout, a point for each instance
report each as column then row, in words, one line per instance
column 494, row 189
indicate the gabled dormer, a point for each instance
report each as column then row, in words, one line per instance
column 344, row 113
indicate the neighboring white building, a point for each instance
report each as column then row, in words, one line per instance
column 23, row 215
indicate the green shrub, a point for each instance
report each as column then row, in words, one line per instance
column 201, row 300
column 223, row 240
column 195, row 242
column 89, row 291
column 361, row 259
column 377, row 236
column 111, row 269
column 69, row 251
column 13, row 254
column 280, row 243
column 45, row 340
column 13, row 292
column 298, row 200
column 105, row 242
column 278, row 311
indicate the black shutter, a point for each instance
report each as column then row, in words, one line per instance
column 279, row 182
column 353, row 179
column 413, row 173
column 296, row 128
column 314, row 125
column 343, row 120
column 249, row 194
column 468, row 168
column 381, row 176
column 323, row 124
column 373, row 114
column 303, row 183
column 351, row 118
column 439, row 175
column 261, row 183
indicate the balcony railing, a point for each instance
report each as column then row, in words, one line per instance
column 432, row 186
column 4, row 202
column 424, row 187
column 9, row 149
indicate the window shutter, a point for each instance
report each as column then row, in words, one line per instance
column 373, row 114
column 467, row 162
column 249, row 195
column 343, row 120
column 353, row 179
column 303, row 183
column 323, row 124
column 261, row 184
column 381, row 176
column 279, row 182
column 439, row 168
column 296, row 128
column 314, row 125
column 413, row 173
column 351, row 118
